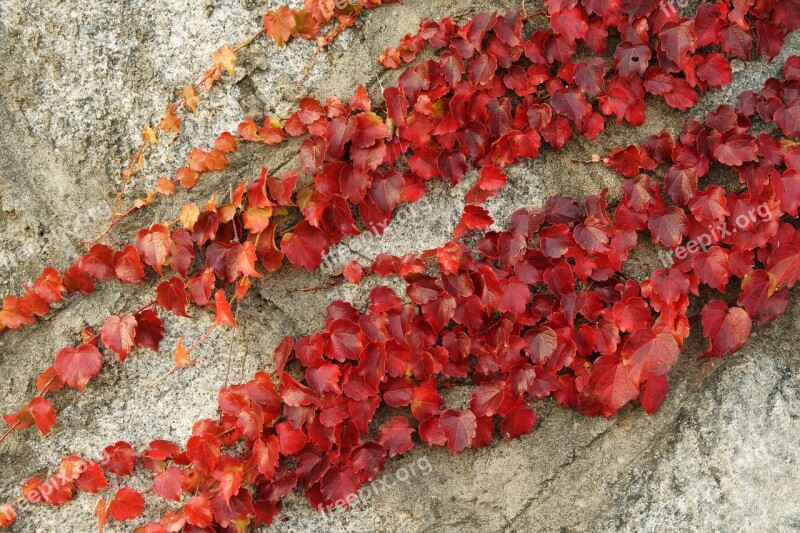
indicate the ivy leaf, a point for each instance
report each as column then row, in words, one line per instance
column 395, row 436
column 760, row 297
column 726, row 328
column 649, row 354
column 77, row 366
column 153, row 245
column 223, row 315
column 668, row 226
column 118, row 334
column 305, row 246
column 198, row 512
column 169, row 484
column 92, row 480
column 43, row 414
column 280, row 24
column 459, row 428
column 149, row 329
column 126, row 505
column 119, row 458
column 171, row 295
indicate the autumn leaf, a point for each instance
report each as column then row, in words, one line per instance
column 726, row 328
column 190, row 97
column 280, row 24
column 170, row 122
column 77, row 366
column 126, row 505
column 224, row 59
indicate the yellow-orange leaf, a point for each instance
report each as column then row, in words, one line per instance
column 147, row 200
column 189, row 214
column 170, row 122
column 256, row 219
column 224, row 59
column 190, row 97
column 149, row 135
column 227, row 212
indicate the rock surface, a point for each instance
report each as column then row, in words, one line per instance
column 80, row 80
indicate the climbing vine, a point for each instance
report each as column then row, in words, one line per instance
column 542, row 309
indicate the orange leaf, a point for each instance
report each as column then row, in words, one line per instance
column 149, row 135
column 224, row 59
column 170, row 122
column 190, row 97
column 280, row 24
column 226, row 142
column 187, row 177
column 224, row 317
column 181, row 355
column 189, row 214
column 165, row 186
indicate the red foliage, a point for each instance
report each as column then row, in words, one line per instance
column 541, row 309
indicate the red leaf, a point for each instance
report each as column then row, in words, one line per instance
column 153, row 245
column 198, row 512
column 395, row 436
column 668, row 226
column 43, row 414
column 126, row 505
column 15, row 314
column 232, row 260
column 760, row 299
column 280, row 24
column 678, row 40
column 713, row 267
column 653, row 393
column 119, row 458
column 128, row 267
column 266, row 455
column 646, row 354
column 425, row 401
column 459, row 428
column 77, row 366
column 541, row 344
column 149, row 330
column 788, row 118
column 452, row 166
column 305, row 246
column 92, row 480
column 118, row 334
column 169, row 484
column 736, row 149
column 353, row 272
column 203, row 451
column 612, row 383
column 340, row 485
column 171, row 296
column 727, row 329
column 7, row 516
column 519, row 421
column 48, row 286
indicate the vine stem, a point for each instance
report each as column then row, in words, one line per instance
column 8, row 432
column 128, row 172
column 322, row 42
column 175, row 367
column 230, row 344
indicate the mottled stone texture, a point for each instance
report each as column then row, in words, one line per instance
column 79, row 80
